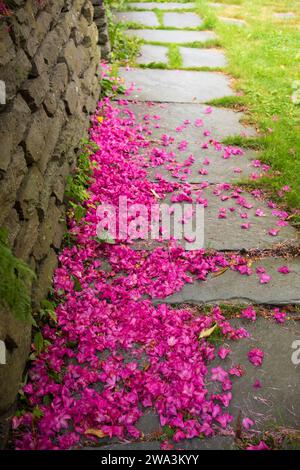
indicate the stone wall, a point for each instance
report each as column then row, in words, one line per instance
column 101, row 22
column 49, row 59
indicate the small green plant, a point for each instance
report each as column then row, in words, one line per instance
column 78, row 183
column 16, row 278
column 174, row 56
column 124, row 48
column 111, row 87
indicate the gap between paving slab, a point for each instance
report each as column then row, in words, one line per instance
column 177, row 86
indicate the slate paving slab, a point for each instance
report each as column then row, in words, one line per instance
column 152, row 445
column 219, row 170
column 161, row 6
column 182, row 20
column 171, row 85
column 277, row 402
column 285, row 16
column 216, row 5
column 236, row 288
column 149, row 54
column 228, row 233
column 219, row 122
column 193, row 57
column 233, row 21
column 146, row 18
column 213, row 443
column 171, row 36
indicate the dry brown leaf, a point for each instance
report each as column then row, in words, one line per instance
column 206, row 333
column 220, row 272
column 155, row 194
column 95, row 432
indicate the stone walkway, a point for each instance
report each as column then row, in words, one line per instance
column 149, row 343
column 179, row 95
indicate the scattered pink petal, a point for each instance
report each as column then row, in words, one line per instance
column 247, row 423
column 223, row 352
column 257, row 384
column 283, row 270
column 279, row 316
column 265, row 279
column 249, row 313
column 256, row 357
column 261, row 446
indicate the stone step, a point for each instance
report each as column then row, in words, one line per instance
column 232, row 287
column 274, row 402
column 161, row 6
column 149, row 54
column 177, row 86
column 289, row 15
column 277, row 402
column 170, row 19
column 214, row 443
column 146, row 18
column 171, row 36
column 181, row 20
column 220, row 122
column 192, row 57
column 228, row 234
column 219, row 170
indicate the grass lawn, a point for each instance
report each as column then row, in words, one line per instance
column 263, row 59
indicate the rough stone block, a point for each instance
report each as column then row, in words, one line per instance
column 44, row 278
column 6, row 147
column 15, row 73
column 36, row 137
column 26, row 238
column 88, row 12
column 16, row 334
column 7, row 48
column 54, row 128
column 11, row 182
column 34, row 91
column 48, row 231
column 72, row 97
column 41, row 27
column 79, row 32
column 48, row 53
column 12, row 223
column 71, row 58
column 58, row 82
column 29, row 193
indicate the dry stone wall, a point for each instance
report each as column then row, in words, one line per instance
column 49, row 59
